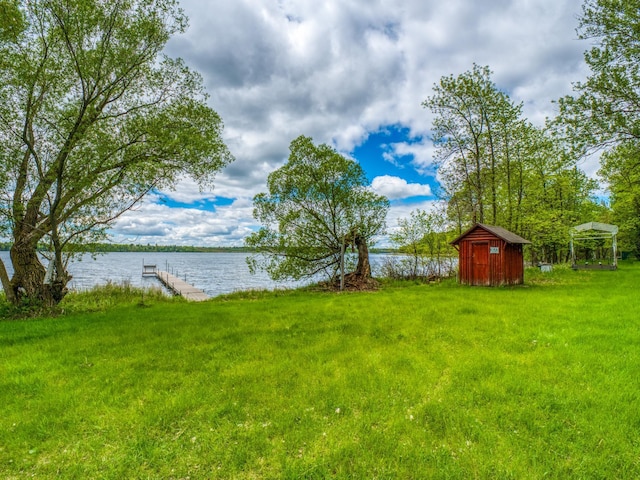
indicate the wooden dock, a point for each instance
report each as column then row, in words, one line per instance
column 180, row 287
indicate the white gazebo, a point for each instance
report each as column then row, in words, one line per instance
column 595, row 231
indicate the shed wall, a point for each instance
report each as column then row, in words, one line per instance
column 503, row 268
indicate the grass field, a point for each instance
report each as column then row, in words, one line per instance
column 411, row 381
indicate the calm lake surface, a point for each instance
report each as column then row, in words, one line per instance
column 214, row 273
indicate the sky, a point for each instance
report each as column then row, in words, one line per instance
column 352, row 74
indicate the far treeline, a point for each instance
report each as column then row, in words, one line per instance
column 130, row 247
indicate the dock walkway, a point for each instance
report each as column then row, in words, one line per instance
column 180, row 287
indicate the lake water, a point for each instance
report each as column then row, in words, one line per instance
column 214, row 273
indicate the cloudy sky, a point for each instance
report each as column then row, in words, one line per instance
column 353, row 74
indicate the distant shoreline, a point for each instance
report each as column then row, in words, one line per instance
column 123, row 247
column 117, row 247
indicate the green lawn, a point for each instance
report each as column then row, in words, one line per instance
column 411, row 381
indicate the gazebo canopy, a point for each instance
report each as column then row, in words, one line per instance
column 595, row 231
column 602, row 227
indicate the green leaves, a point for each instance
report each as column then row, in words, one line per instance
column 497, row 168
column 12, row 22
column 621, row 169
column 606, row 110
column 474, row 134
column 318, row 202
column 93, row 116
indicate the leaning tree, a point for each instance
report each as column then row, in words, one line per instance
column 92, row 117
column 318, row 204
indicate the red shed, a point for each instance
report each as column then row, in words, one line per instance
column 489, row 255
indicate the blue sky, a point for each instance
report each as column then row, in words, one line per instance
column 352, row 74
column 378, row 156
column 391, row 152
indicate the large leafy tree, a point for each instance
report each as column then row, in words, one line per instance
column 606, row 109
column 318, row 204
column 498, row 168
column 621, row 170
column 604, row 113
column 92, row 117
column 474, row 132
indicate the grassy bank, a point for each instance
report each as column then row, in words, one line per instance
column 412, row 381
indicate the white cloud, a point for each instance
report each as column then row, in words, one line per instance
column 338, row 70
column 423, row 154
column 155, row 223
column 395, row 188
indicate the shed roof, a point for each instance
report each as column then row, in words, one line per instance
column 499, row 232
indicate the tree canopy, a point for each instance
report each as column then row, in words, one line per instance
column 620, row 167
column 604, row 113
column 474, row 132
column 497, row 168
column 317, row 204
column 11, row 20
column 92, row 117
column 606, row 109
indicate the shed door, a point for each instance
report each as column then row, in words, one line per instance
column 480, row 263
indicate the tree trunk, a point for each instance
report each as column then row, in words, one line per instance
column 6, row 283
column 363, row 269
column 28, row 273
column 360, row 278
column 28, row 282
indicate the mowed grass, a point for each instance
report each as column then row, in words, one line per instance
column 411, row 381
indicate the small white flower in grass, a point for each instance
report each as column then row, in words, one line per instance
column 338, row 410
